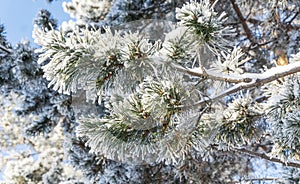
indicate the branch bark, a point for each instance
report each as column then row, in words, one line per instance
column 266, row 157
column 256, row 179
column 9, row 51
column 197, row 72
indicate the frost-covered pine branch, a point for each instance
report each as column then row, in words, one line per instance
column 133, row 75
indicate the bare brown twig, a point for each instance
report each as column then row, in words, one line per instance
column 243, row 20
column 266, row 157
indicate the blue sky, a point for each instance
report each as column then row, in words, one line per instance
column 18, row 15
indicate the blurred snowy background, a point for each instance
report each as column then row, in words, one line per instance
column 17, row 16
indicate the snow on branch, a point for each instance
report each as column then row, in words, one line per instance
column 254, row 80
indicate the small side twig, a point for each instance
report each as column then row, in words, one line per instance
column 8, row 51
column 266, row 157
